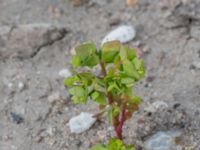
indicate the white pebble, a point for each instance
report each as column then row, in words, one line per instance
column 81, row 122
column 20, row 85
column 154, row 107
column 64, row 73
column 124, row 33
column 10, row 85
column 160, row 105
column 197, row 64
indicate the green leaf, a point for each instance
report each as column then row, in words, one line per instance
column 70, row 81
column 99, row 85
column 85, row 49
column 91, row 61
column 127, row 80
column 127, row 53
column 123, row 53
column 113, row 86
column 139, row 65
column 99, row 147
column 131, row 53
column 130, row 69
column 75, row 61
column 86, row 55
column 79, row 93
column 114, row 111
column 110, row 51
column 99, row 97
column 135, row 99
column 117, row 144
column 113, row 144
column 86, row 77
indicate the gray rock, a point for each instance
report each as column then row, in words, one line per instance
column 162, row 140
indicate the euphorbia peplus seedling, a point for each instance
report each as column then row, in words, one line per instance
column 112, row 87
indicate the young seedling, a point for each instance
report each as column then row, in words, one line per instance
column 112, row 87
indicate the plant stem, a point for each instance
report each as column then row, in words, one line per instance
column 119, row 126
column 103, row 68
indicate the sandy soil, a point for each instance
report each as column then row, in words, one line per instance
column 36, row 38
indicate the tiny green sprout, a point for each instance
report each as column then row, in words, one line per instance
column 113, row 144
column 112, row 87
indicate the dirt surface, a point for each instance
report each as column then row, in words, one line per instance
column 36, row 39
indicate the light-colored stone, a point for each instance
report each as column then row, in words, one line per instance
column 196, row 64
column 64, row 73
column 158, row 105
column 124, row 34
column 162, row 140
column 20, row 85
column 81, row 122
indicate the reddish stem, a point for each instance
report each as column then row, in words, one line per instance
column 119, row 126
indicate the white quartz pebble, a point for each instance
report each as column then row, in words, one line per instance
column 124, row 33
column 64, row 73
column 81, row 122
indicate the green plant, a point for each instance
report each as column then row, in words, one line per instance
column 112, row 87
column 113, row 144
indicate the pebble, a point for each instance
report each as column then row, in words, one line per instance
column 162, row 140
column 123, row 33
column 131, row 2
column 196, row 64
column 16, row 118
column 158, row 105
column 20, row 85
column 51, row 131
column 81, row 123
column 64, row 73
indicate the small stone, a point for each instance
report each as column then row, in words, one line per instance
column 131, row 2
column 196, row 64
column 51, row 131
column 124, row 34
column 162, row 140
column 158, row 105
column 64, row 73
column 10, row 85
column 81, row 122
column 16, row 118
column 20, row 85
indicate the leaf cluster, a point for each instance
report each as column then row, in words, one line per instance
column 113, row 144
column 125, row 68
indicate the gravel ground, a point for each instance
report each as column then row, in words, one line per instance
column 36, row 41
